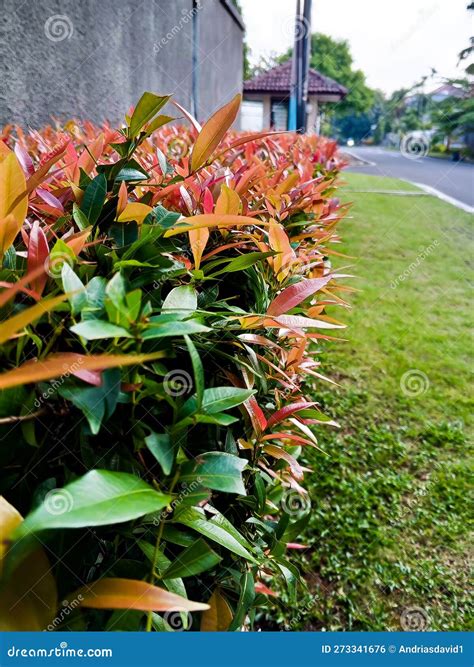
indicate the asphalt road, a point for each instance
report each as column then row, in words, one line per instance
column 454, row 179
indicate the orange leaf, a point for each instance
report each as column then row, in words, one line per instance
column 91, row 154
column 135, row 211
column 279, row 453
column 29, row 597
column 133, row 594
column 279, row 241
column 211, row 220
column 213, row 131
column 198, row 239
column 13, row 198
column 77, row 241
column 14, row 324
column 122, row 198
column 21, row 286
column 60, row 364
column 228, row 202
column 219, row 615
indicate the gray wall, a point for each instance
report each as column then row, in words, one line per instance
column 94, row 58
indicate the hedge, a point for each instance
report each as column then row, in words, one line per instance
column 163, row 294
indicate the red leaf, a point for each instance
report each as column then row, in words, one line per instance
column 38, row 252
column 287, row 411
column 295, row 294
column 256, row 415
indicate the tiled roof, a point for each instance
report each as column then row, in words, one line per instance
column 278, row 80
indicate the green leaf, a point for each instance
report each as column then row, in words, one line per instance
column 123, row 233
column 160, row 446
column 197, row 558
column 95, row 294
column 196, row 519
column 159, row 121
column 99, row 498
column 165, row 218
column 148, row 105
column 198, row 370
column 217, row 470
column 181, row 300
column 94, row 198
column 216, row 399
column 96, row 403
column 97, row 329
column 79, row 217
column 243, row 262
column 73, row 286
column 174, row 329
column 246, row 598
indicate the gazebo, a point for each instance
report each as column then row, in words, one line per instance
column 267, row 95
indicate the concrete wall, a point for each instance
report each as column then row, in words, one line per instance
column 94, row 58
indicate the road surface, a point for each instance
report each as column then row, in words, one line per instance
column 454, row 179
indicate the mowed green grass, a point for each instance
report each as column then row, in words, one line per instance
column 390, row 519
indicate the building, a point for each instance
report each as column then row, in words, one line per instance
column 267, row 95
column 94, row 58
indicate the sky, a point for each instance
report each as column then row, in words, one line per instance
column 394, row 42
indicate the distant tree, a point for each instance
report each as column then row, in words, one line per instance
column 332, row 57
column 469, row 50
column 454, row 116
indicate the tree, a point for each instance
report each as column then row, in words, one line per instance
column 332, row 57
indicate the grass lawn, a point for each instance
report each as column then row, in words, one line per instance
column 390, row 517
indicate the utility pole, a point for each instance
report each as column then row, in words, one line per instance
column 293, row 104
column 305, row 42
column 300, row 66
